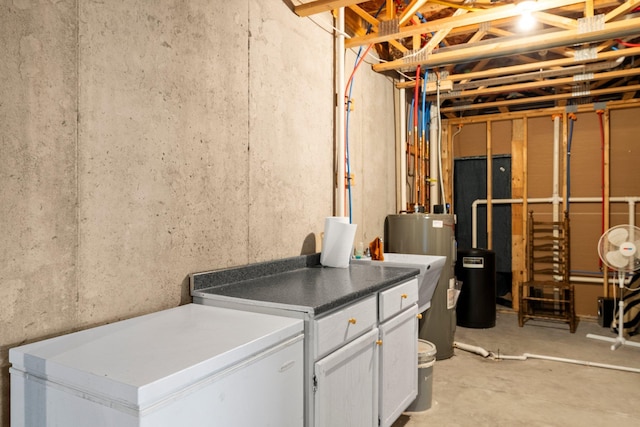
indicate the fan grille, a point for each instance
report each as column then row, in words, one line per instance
column 618, row 248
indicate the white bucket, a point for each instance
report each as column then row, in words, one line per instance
column 426, row 360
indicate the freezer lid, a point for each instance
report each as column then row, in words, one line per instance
column 142, row 360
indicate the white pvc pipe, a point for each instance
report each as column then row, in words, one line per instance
column 484, row 353
column 472, row 349
column 434, row 176
column 439, row 120
column 556, row 169
column 402, row 100
column 339, row 115
column 631, row 200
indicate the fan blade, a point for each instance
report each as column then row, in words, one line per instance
column 616, row 259
column 617, row 236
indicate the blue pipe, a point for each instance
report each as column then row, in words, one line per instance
column 346, row 145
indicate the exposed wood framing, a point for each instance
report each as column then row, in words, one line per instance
column 476, row 18
column 632, row 88
column 518, row 212
column 319, row 6
column 534, row 43
column 489, row 187
column 455, row 37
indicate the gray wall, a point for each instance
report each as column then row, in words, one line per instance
column 144, row 140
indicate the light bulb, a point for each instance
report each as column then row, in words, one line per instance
column 526, row 21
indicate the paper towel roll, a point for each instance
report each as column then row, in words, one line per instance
column 337, row 242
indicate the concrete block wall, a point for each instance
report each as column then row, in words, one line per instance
column 142, row 141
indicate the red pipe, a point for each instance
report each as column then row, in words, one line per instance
column 600, row 113
column 415, row 137
column 627, row 44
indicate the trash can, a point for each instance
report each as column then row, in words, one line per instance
column 426, row 359
column 476, row 269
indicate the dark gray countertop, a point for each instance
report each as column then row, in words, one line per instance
column 300, row 282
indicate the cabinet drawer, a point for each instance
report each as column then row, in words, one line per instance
column 398, row 298
column 344, row 325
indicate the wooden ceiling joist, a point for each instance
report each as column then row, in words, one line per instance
column 319, row 6
column 538, row 99
column 622, row 9
column 612, row 30
column 473, row 43
column 544, row 65
column 488, row 15
column 546, row 83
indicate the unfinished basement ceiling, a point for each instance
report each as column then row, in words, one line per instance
column 578, row 52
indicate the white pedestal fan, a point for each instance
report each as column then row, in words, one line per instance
column 619, row 249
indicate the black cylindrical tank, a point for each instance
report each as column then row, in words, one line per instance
column 476, row 307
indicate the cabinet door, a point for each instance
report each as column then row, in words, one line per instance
column 398, row 365
column 346, row 385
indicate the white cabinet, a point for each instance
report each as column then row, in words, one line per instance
column 371, row 380
column 360, row 358
column 398, row 365
column 346, row 386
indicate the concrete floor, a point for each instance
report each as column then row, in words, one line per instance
column 469, row 390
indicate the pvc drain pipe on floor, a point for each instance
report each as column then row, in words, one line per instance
column 489, row 354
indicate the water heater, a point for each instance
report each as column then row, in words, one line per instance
column 429, row 234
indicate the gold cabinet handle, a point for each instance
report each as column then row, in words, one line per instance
column 379, row 342
column 419, row 316
column 352, row 320
column 404, row 296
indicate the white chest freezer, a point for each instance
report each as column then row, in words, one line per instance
column 192, row 365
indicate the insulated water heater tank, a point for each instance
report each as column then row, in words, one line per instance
column 429, row 234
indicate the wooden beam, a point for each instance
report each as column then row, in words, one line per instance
column 622, row 9
column 540, row 112
column 588, row 8
column 475, row 18
column 517, row 211
column 519, row 87
column 489, row 187
column 365, row 15
column 523, row 68
column 529, row 44
column 320, row 6
column 410, row 11
column 374, row 26
column 538, row 99
column 441, row 34
column 556, row 21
